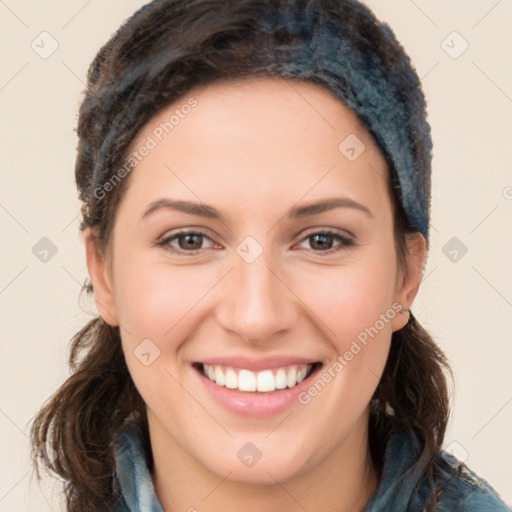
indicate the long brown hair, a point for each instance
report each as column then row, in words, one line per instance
column 157, row 56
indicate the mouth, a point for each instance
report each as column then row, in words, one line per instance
column 265, row 381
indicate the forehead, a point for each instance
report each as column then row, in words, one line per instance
column 260, row 138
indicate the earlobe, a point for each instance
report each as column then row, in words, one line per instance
column 97, row 267
column 408, row 287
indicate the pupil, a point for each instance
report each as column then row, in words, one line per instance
column 322, row 245
column 190, row 242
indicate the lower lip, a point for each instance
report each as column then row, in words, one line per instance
column 255, row 404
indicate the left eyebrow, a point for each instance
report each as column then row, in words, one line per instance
column 328, row 204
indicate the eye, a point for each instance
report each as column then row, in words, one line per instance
column 189, row 242
column 322, row 241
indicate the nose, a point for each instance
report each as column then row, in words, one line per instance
column 257, row 304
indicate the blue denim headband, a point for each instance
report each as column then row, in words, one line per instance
column 386, row 96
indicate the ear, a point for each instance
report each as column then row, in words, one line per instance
column 102, row 289
column 408, row 283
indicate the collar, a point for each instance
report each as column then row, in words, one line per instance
column 137, row 492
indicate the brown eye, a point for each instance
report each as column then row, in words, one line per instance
column 325, row 242
column 321, row 241
column 191, row 241
column 184, row 242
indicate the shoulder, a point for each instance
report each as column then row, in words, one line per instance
column 406, row 487
column 462, row 490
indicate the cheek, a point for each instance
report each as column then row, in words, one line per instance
column 351, row 298
column 163, row 304
column 359, row 332
column 152, row 299
column 353, row 307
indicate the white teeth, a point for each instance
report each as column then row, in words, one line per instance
column 231, row 379
column 281, row 379
column 219, row 376
column 246, row 381
column 266, row 381
column 263, row 381
column 291, row 377
column 301, row 375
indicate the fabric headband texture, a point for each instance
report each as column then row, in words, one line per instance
column 386, row 96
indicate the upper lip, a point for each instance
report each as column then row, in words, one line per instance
column 257, row 364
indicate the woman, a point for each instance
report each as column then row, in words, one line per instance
column 255, row 180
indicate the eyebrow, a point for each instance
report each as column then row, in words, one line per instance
column 203, row 210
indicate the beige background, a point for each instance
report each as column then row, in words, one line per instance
column 466, row 304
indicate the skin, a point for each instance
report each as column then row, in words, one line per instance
column 253, row 150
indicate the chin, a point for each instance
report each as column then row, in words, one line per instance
column 255, row 460
column 267, row 471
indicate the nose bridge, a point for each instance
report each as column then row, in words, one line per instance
column 257, row 303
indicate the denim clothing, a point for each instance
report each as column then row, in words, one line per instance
column 397, row 490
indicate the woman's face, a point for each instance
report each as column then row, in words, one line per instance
column 265, row 288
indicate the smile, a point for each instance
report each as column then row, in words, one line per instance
column 257, row 388
column 251, row 381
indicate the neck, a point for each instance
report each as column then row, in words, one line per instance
column 342, row 482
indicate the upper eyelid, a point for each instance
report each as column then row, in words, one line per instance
column 167, row 237
column 330, row 231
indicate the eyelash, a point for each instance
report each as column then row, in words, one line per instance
column 345, row 241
